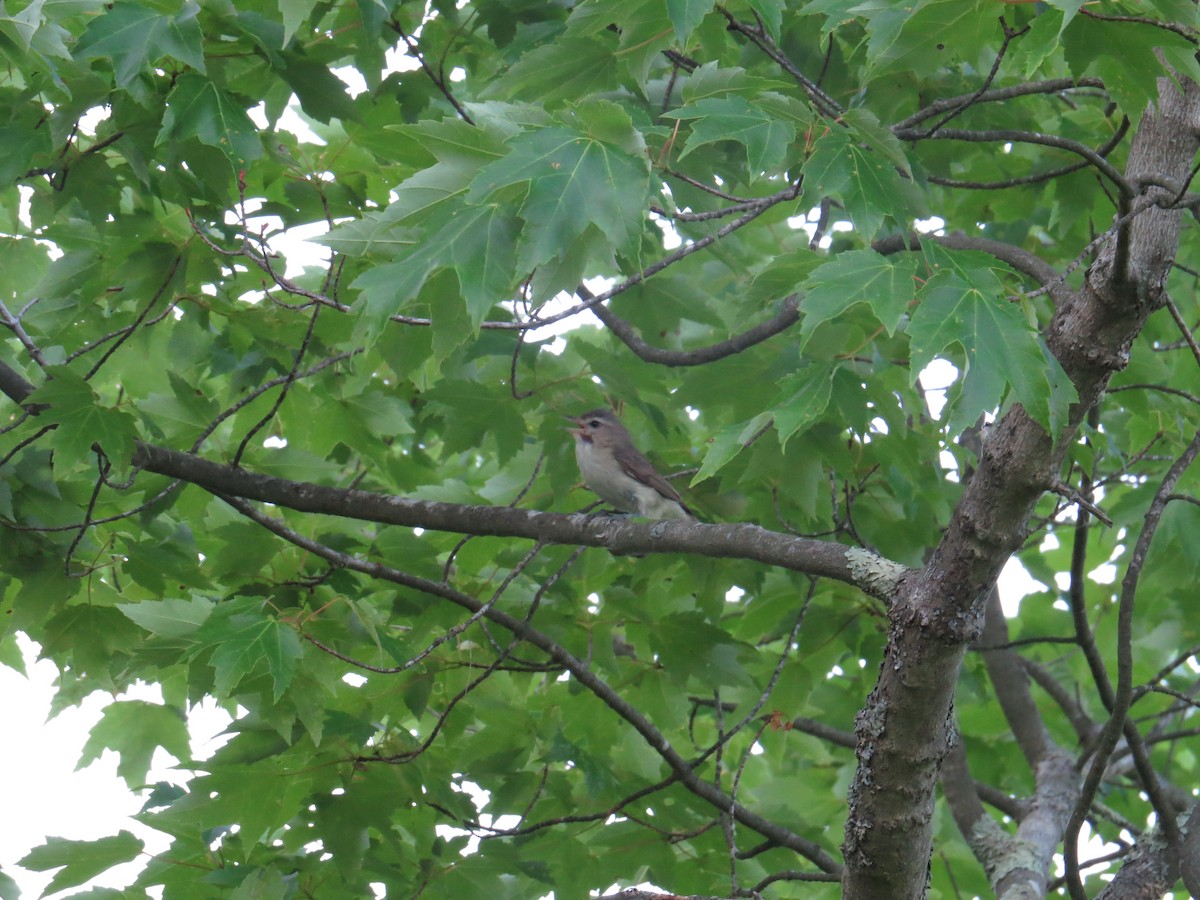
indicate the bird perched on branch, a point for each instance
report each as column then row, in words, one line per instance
column 614, row 469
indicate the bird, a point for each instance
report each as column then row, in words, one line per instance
column 613, row 468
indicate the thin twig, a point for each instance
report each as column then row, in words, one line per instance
column 288, row 381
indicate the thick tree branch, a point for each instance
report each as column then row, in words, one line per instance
column 1028, row 857
column 873, row 574
column 1011, row 685
column 14, row 386
column 1152, row 869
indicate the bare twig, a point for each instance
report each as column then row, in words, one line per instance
column 1072, row 495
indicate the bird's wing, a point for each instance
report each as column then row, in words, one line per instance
column 636, row 466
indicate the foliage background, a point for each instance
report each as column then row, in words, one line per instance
column 467, row 201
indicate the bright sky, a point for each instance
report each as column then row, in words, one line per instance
column 44, row 794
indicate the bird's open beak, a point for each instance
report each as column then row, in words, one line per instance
column 577, row 430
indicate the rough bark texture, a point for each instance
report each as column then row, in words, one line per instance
column 905, row 730
column 1152, row 869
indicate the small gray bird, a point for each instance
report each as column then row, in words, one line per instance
column 614, row 469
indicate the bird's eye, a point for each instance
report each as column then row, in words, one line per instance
column 594, row 423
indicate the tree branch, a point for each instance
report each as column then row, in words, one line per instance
column 1009, row 135
column 682, row 769
column 1118, row 722
column 872, row 574
column 788, row 315
column 1051, row 86
column 904, row 730
column 1022, row 260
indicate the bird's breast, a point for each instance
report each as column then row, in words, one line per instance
column 604, row 476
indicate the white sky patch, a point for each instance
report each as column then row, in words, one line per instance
column 671, row 238
column 1015, row 583
column 807, row 222
column 293, row 245
column 290, row 120
column 355, row 83
column 86, row 804
column 936, row 378
column 1106, row 572
column 90, row 120
column 398, row 60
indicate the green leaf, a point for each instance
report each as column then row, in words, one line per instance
column 429, row 191
column 371, row 235
column 878, row 138
column 966, row 306
column 1122, row 53
column 136, row 37
column 80, row 860
column 688, row 646
column 644, row 33
column 866, row 180
column 783, row 276
column 728, row 443
column 715, row 80
column 567, row 69
column 135, row 729
column 22, row 27
column 322, row 94
column 82, row 421
column 183, row 414
column 806, row 397
column 686, row 15
column 482, row 247
column 169, row 618
column 245, row 639
column 567, row 171
column 885, row 283
column 479, row 244
column 260, row 797
column 199, row 108
column 262, row 884
column 294, row 14
column 455, row 143
column 22, row 145
column 932, row 34
column 765, row 137
column 771, row 14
